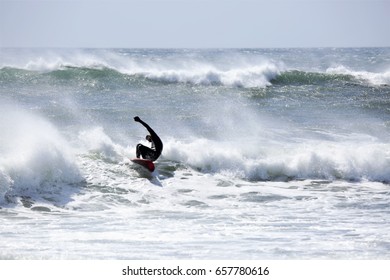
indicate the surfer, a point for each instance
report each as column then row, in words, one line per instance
column 157, row 146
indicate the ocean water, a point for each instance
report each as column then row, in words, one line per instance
column 268, row 154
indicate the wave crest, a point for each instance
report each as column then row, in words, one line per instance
column 248, row 76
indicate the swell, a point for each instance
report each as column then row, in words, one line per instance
column 295, row 77
column 64, row 74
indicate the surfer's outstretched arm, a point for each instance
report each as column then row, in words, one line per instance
column 151, row 131
column 156, row 140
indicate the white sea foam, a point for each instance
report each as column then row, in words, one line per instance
column 35, row 158
column 312, row 160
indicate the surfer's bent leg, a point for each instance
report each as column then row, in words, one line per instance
column 138, row 150
column 145, row 152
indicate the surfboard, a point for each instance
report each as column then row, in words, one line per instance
column 148, row 164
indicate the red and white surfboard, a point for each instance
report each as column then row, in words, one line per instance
column 148, row 164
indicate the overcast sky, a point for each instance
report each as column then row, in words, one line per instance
column 194, row 23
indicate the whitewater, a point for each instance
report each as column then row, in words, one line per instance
column 268, row 153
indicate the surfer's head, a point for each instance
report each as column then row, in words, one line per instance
column 149, row 138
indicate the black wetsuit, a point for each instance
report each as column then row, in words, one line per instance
column 157, row 145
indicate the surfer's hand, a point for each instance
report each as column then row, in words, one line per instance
column 137, row 119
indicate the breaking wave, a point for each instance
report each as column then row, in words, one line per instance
column 35, row 159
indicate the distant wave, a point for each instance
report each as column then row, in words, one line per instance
column 225, row 71
column 244, row 75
